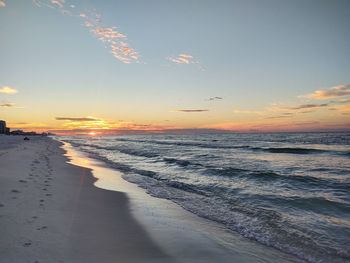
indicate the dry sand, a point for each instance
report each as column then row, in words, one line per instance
column 51, row 212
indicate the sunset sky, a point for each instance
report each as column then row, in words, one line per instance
column 156, row 65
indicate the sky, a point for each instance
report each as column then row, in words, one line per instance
column 117, row 66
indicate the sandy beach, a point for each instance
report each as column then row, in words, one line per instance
column 51, row 212
column 54, row 210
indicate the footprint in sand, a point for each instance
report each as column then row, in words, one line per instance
column 48, row 194
column 44, row 189
column 42, row 228
column 22, row 181
column 15, row 191
column 27, row 244
column 2, row 205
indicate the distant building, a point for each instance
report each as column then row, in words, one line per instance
column 17, row 132
column 6, row 130
column 2, row 127
column 24, row 133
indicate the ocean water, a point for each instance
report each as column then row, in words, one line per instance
column 290, row 191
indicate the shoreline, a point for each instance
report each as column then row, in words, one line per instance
column 173, row 227
column 58, row 205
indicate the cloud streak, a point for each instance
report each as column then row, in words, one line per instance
column 308, row 106
column 285, row 115
column 333, row 92
column 341, row 101
column 8, row 90
column 7, row 105
column 79, row 119
column 215, row 98
column 192, row 110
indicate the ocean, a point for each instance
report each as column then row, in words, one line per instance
column 290, row 191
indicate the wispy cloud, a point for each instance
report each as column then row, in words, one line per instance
column 104, row 126
column 51, row 4
column 113, row 39
column 59, row 3
column 282, row 116
column 192, row 110
column 79, row 119
column 340, row 101
column 8, row 90
column 214, row 98
column 277, row 107
column 88, row 122
column 10, row 105
column 308, row 106
column 7, row 105
column 184, row 59
column 333, row 92
column 181, row 59
column 2, row 3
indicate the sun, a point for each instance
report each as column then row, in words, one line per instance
column 92, row 133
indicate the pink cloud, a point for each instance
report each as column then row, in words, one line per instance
column 113, row 39
column 185, row 59
column 182, row 59
column 333, row 92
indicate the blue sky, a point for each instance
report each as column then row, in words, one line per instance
column 253, row 54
